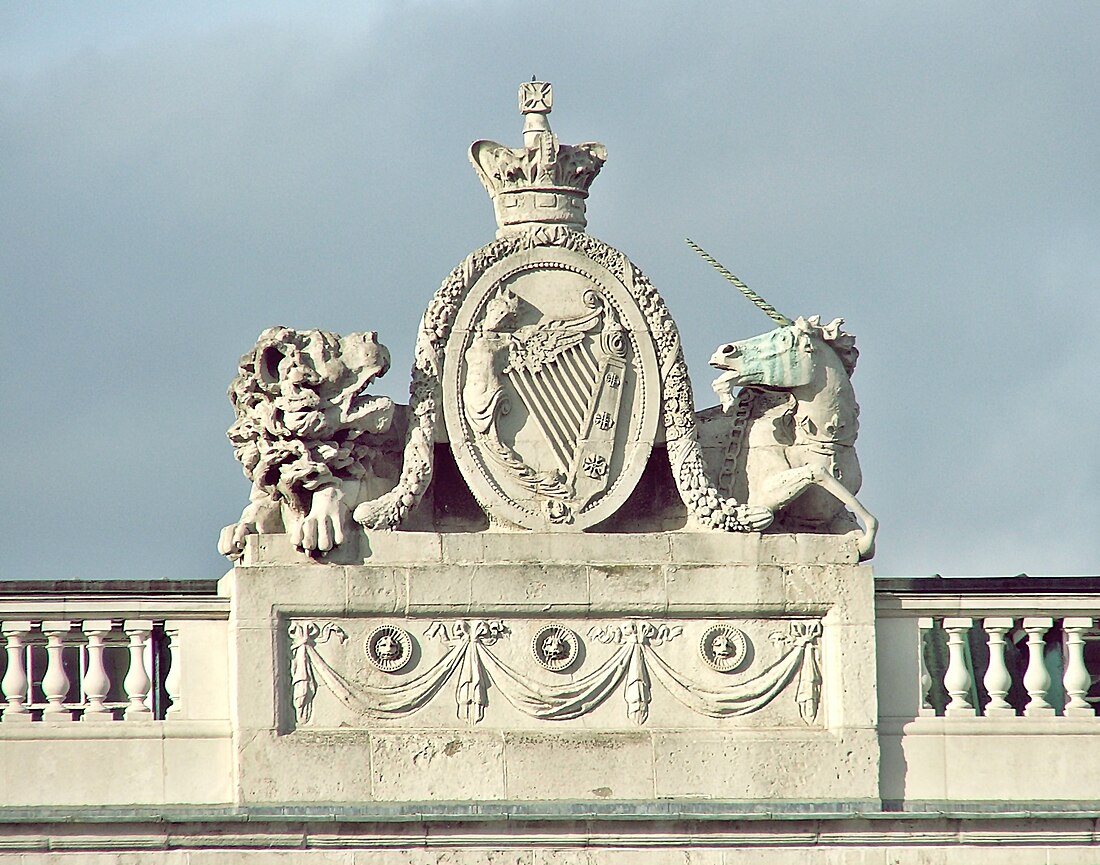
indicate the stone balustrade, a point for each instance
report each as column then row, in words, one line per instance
column 101, row 652
column 89, row 670
column 988, row 688
column 996, row 648
column 97, row 675
column 1004, row 666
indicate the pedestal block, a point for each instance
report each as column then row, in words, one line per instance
column 556, row 668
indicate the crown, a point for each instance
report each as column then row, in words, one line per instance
column 544, row 182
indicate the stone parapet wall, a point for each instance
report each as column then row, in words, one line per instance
column 115, row 694
column 987, row 691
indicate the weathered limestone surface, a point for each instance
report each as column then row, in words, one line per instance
column 647, row 601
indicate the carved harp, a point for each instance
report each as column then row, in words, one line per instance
column 569, row 374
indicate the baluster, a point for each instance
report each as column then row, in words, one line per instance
column 173, row 680
column 1076, row 679
column 958, row 678
column 1037, row 679
column 924, row 625
column 997, row 679
column 55, row 684
column 15, row 680
column 137, row 680
column 96, row 682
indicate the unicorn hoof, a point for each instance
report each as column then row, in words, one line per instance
column 866, row 544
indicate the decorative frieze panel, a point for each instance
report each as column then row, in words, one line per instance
column 522, row 672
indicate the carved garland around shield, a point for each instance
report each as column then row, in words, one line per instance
column 681, row 434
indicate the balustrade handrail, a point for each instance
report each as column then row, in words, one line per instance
column 76, row 599
column 1019, row 595
column 1014, row 584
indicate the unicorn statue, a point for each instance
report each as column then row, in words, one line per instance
column 791, row 448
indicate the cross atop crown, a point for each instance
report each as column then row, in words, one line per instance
column 544, row 182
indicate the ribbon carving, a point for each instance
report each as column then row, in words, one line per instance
column 304, row 637
column 633, row 665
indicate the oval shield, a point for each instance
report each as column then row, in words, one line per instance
column 551, row 390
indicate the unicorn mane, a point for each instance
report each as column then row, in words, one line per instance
column 842, row 342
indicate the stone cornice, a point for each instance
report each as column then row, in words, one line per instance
column 563, row 825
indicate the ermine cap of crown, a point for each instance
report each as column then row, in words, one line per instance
column 544, row 182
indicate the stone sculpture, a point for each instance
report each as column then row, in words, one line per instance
column 556, row 360
column 468, row 639
column 792, row 444
column 555, row 647
column 723, row 647
column 796, row 449
column 306, row 434
column 550, row 367
column 389, row 648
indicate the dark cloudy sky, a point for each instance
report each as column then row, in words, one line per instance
column 176, row 177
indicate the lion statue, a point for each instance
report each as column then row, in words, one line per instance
column 307, row 434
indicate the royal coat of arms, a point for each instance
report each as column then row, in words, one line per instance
column 550, row 367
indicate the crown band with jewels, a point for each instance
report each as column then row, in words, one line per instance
column 544, row 182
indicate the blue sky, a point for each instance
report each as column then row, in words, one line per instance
column 177, row 177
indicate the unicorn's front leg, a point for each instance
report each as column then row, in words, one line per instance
column 781, row 489
column 830, row 484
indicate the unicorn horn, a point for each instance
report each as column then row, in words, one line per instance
column 768, row 310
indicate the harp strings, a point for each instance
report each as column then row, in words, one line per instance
column 561, row 401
